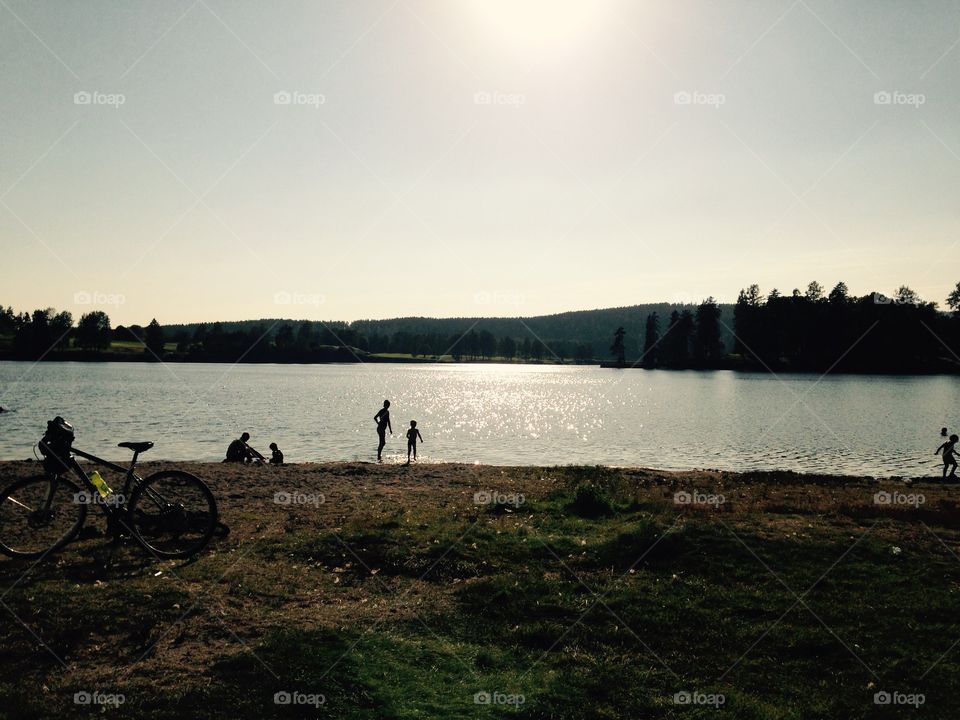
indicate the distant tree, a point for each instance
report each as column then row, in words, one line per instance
column 747, row 321
column 284, row 340
column 472, row 344
column 537, row 349
column 670, row 351
column 906, row 296
column 93, row 331
column 953, row 300
column 33, row 339
column 651, row 341
column 154, row 339
column 60, row 326
column 707, row 346
column 525, row 351
column 774, row 294
column 814, row 291
column 508, row 347
column 487, row 344
column 839, row 295
column 619, row 349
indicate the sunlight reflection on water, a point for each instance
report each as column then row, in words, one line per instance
column 502, row 414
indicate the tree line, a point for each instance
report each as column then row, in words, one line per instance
column 810, row 331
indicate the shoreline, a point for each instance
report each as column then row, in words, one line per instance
column 398, row 468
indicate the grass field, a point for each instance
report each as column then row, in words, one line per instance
column 395, row 592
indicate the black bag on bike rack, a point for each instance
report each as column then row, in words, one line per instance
column 56, row 444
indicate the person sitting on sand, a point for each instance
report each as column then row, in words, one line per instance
column 240, row 451
column 943, row 432
column 949, row 449
column 382, row 418
column 412, row 435
column 277, row 457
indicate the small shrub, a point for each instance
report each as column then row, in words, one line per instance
column 591, row 502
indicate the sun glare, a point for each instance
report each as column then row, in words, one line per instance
column 541, row 25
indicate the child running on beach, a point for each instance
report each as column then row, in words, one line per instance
column 412, row 435
column 949, row 449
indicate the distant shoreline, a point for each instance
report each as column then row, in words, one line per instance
column 376, row 360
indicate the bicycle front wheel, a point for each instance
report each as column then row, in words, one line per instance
column 173, row 514
column 39, row 515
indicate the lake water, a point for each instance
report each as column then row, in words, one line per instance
column 500, row 414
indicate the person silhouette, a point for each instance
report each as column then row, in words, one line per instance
column 412, row 435
column 382, row 418
column 276, row 457
column 949, row 449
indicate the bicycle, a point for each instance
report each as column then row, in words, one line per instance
column 171, row 513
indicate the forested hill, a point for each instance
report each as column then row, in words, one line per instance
column 591, row 327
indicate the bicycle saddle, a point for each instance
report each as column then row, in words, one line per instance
column 137, row 447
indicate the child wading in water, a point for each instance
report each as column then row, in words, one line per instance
column 949, row 449
column 412, row 435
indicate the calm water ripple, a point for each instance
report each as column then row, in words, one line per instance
column 500, row 414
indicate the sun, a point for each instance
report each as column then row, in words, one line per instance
column 541, row 25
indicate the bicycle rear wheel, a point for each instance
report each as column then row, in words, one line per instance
column 173, row 514
column 39, row 515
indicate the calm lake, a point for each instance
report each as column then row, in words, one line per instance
column 499, row 414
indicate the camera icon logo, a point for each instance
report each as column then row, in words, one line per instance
column 282, row 698
column 882, row 698
column 882, row 98
column 682, row 498
column 282, row 498
column 282, row 98
column 481, row 698
column 82, row 98
column 683, row 97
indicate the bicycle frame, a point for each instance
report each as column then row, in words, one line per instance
column 71, row 464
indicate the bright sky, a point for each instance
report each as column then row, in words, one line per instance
column 361, row 159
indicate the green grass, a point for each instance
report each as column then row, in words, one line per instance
column 591, row 601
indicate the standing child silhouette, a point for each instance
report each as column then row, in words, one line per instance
column 412, row 435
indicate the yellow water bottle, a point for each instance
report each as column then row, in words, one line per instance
column 99, row 483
